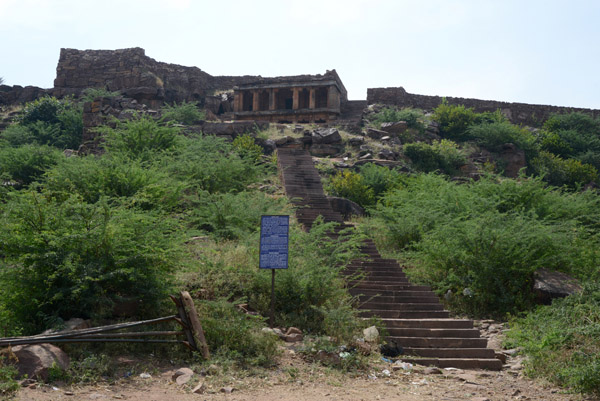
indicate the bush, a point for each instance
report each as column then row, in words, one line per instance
column 27, row 163
column 209, row 164
column 238, row 336
column 140, row 138
column 413, row 117
column 92, row 93
column 454, row 120
column 64, row 259
column 54, row 122
column 579, row 122
column 488, row 236
column 495, row 134
column 379, row 178
column 247, row 149
column 562, row 340
column 351, row 185
column 186, row 113
column 17, row 135
column 442, row 155
column 559, row 172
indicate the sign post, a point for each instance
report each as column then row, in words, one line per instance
column 274, row 240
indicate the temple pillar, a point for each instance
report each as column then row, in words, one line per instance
column 333, row 98
column 312, row 99
column 295, row 98
column 272, row 99
column 255, row 101
column 237, row 101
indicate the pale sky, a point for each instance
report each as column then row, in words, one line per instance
column 531, row 51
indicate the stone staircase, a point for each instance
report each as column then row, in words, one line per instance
column 413, row 315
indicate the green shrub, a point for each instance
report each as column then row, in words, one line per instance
column 442, row 155
column 186, row 113
column 562, row 340
column 414, row 118
column 63, row 259
column 232, row 215
column 247, row 149
column 90, row 94
column 311, row 293
column 238, row 336
column 351, row 185
column 560, row 172
column 379, row 178
column 27, row 163
column 17, row 135
column 488, row 236
column 140, row 138
column 208, row 163
column 579, row 122
column 8, row 377
column 495, row 134
column 454, row 120
column 54, row 122
column 128, row 182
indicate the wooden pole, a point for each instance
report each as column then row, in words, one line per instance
column 195, row 322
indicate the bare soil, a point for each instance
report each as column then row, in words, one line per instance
column 297, row 379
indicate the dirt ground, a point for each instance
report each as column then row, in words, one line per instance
column 296, row 379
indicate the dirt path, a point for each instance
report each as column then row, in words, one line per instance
column 296, row 379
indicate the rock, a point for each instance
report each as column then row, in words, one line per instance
column 512, row 351
column 346, row 207
column 75, row 323
column 326, row 136
column 397, row 127
column 375, row 133
column 548, row 285
column 70, row 152
column 227, row 390
column 385, row 138
column 293, row 330
column 391, row 349
column 35, row 360
column 268, row 145
column 326, row 150
column 501, row 356
column 356, row 141
column 387, row 154
column 366, row 156
column 145, row 375
column 399, row 365
column 292, row 338
column 283, row 141
column 371, row 334
column 328, row 358
column 199, row 389
column 182, row 376
column 514, row 159
column 432, row 371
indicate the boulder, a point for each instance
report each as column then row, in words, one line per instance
column 514, row 159
column 371, row 334
column 387, row 154
column 356, row 141
column 326, row 136
column 375, row 133
column 397, row 127
column 35, row 360
column 326, row 150
column 345, row 207
column 548, row 285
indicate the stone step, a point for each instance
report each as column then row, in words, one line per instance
column 397, row 314
column 401, row 306
column 438, row 342
column 486, row 353
column 459, row 363
column 402, row 293
column 432, row 332
column 386, row 286
column 419, row 299
column 432, row 323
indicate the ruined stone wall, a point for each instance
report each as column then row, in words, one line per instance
column 518, row 113
column 18, row 94
column 136, row 75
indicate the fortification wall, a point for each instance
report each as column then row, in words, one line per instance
column 136, row 75
column 519, row 113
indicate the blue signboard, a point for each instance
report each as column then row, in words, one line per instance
column 274, row 242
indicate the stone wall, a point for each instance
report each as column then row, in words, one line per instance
column 18, row 94
column 137, row 76
column 519, row 113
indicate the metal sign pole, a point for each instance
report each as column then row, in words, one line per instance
column 272, row 314
column 274, row 241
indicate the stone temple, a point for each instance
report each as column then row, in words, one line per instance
column 291, row 99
